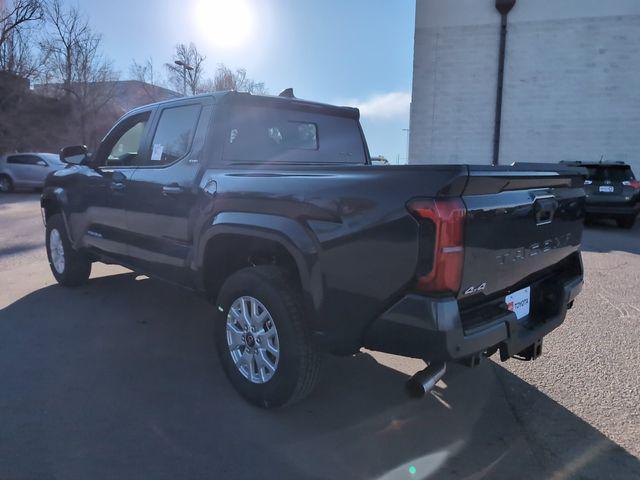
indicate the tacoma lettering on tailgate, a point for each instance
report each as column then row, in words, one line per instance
column 536, row 248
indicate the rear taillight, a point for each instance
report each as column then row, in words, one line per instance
column 447, row 216
column 635, row 184
column 588, row 182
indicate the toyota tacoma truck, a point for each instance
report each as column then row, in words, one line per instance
column 270, row 208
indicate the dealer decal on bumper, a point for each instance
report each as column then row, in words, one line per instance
column 519, row 302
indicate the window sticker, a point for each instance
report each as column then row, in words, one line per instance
column 156, row 155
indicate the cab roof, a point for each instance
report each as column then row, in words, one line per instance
column 248, row 99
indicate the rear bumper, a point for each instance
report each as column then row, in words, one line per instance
column 619, row 209
column 431, row 328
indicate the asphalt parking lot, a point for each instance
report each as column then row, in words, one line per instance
column 118, row 379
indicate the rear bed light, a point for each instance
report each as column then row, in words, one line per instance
column 447, row 216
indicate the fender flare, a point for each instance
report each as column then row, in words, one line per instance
column 298, row 242
column 57, row 196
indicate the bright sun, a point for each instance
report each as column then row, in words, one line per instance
column 227, row 23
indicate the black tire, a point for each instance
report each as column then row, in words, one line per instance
column 77, row 266
column 298, row 367
column 626, row 222
column 6, row 184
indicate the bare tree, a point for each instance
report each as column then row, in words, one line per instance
column 69, row 31
column 144, row 72
column 227, row 79
column 94, row 87
column 147, row 74
column 76, row 66
column 16, row 54
column 187, row 55
column 18, row 14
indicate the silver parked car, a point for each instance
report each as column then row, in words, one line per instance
column 27, row 170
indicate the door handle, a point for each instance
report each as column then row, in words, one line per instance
column 171, row 189
column 117, row 186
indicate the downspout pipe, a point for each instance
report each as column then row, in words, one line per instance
column 503, row 7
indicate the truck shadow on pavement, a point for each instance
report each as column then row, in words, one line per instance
column 119, row 379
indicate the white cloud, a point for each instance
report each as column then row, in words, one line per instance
column 383, row 106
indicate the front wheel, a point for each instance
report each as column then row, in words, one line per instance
column 262, row 340
column 69, row 267
column 6, row 185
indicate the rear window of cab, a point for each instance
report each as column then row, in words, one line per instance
column 256, row 134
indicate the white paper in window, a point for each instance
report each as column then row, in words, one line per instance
column 156, row 154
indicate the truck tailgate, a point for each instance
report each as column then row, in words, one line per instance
column 520, row 220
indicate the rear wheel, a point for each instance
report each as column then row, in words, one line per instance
column 69, row 267
column 6, row 185
column 263, row 343
column 626, row 222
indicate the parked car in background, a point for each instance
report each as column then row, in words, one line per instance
column 379, row 160
column 612, row 192
column 27, row 170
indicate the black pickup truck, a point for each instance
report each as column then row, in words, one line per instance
column 270, row 207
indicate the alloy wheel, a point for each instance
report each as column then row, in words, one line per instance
column 57, row 250
column 252, row 339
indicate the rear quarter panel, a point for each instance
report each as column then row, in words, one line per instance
column 365, row 241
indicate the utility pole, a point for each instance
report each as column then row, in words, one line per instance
column 185, row 67
column 407, row 130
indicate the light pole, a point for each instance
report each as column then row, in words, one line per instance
column 407, row 130
column 185, row 67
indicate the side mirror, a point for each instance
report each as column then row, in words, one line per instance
column 41, row 163
column 74, row 155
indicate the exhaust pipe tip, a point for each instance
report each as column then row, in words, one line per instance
column 414, row 389
column 423, row 382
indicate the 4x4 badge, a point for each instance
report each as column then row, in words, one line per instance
column 477, row 289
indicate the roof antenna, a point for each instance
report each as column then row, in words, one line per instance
column 287, row 93
column 601, row 157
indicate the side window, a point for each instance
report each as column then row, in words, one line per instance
column 34, row 160
column 174, row 134
column 124, row 147
column 16, row 160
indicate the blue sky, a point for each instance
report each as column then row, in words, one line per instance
column 355, row 52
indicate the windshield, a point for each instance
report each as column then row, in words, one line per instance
column 51, row 158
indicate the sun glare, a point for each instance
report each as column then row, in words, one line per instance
column 227, row 23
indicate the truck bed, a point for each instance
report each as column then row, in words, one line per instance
column 361, row 246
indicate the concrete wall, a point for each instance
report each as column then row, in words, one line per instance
column 572, row 81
